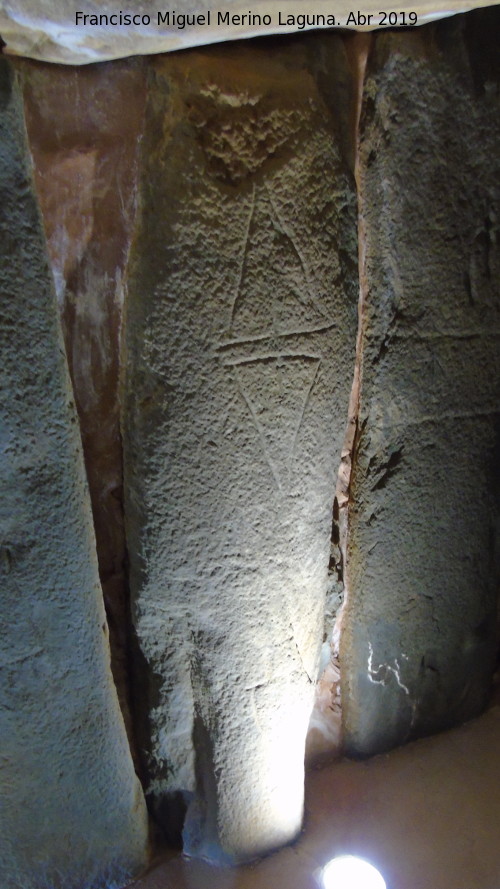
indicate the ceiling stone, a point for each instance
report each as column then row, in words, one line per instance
column 47, row 30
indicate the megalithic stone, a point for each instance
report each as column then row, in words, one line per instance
column 419, row 641
column 72, row 810
column 68, row 33
column 240, row 332
column 84, row 149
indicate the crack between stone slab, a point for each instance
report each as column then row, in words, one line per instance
column 357, row 50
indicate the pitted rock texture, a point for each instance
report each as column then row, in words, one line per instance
column 73, row 812
column 55, row 32
column 418, row 643
column 84, row 126
column 240, row 328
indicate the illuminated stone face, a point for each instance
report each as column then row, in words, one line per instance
column 240, row 320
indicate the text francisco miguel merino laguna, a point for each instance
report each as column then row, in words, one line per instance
column 207, row 19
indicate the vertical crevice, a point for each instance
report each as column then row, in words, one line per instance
column 358, row 48
column 327, row 713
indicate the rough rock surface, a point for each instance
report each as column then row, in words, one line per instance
column 84, row 126
column 418, row 643
column 49, row 31
column 240, row 331
column 73, row 812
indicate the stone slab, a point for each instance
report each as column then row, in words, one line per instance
column 73, row 812
column 240, row 332
column 84, row 126
column 47, row 30
column 419, row 638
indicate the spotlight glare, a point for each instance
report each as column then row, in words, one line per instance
column 349, row 872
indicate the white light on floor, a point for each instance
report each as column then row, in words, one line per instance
column 349, row 872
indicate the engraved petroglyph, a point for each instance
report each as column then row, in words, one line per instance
column 274, row 380
column 246, row 242
column 268, row 342
column 277, row 402
column 237, row 296
column 288, row 297
column 308, row 295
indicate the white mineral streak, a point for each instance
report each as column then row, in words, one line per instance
column 47, row 29
column 379, row 675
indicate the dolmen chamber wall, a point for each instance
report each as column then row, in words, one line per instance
column 236, row 234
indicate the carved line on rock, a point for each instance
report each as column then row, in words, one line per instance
column 263, row 359
column 301, row 658
column 259, row 337
column 260, row 431
column 246, row 241
column 434, row 418
column 269, row 356
column 303, row 264
column 306, row 402
column 310, row 300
